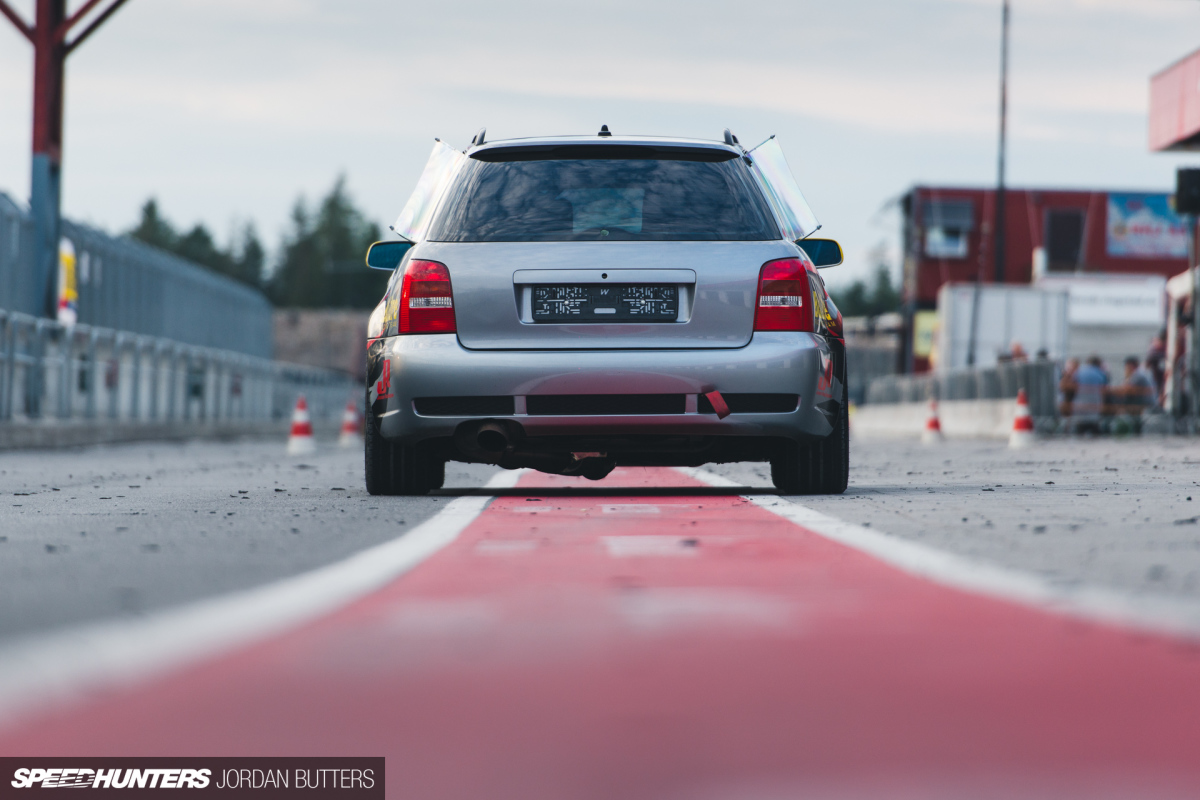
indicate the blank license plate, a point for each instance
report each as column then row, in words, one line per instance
column 605, row 303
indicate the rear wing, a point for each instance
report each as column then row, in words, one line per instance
column 443, row 164
column 770, row 168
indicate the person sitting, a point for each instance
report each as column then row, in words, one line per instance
column 1156, row 359
column 1137, row 393
column 1090, row 381
column 1067, row 386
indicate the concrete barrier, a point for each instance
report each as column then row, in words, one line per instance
column 966, row 419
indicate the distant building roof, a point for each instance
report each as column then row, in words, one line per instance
column 1175, row 106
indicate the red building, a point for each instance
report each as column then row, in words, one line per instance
column 949, row 237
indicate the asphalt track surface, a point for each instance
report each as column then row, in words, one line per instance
column 652, row 635
column 1112, row 513
column 121, row 531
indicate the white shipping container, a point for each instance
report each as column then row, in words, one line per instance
column 1037, row 318
column 1112, row 301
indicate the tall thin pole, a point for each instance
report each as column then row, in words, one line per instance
column 1000, row 232
column 1193, row 345
column 45, row 194
column 48, row 35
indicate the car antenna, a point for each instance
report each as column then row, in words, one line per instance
column 478, row 139
column 604, row 131
column 731, row 139
column 760, row 144
column 392, row 228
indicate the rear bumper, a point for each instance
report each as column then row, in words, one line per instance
column 438, row 366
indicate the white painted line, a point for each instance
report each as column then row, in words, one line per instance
column 506, row 546
column 637, row 546
column 657, row 610
column 1158, row 614
column 629, row 508
column 57, row 668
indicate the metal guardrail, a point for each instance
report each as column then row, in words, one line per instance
column 864, row 363
column 50, row 373
column 1037, row 378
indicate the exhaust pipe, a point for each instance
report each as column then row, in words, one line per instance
column 492, row 437
column 488, row 441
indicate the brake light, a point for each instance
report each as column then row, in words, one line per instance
column 426, row 301
column 782, row 286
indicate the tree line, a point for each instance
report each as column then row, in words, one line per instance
column 319, row 262
column 869, row 298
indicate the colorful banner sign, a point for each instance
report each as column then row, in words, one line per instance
column 1145, row 226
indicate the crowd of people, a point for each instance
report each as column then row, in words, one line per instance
column 1088, row 395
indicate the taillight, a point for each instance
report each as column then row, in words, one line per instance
column 782, row 287
column 426, row 302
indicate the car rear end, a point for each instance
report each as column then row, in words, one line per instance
column 578, row 305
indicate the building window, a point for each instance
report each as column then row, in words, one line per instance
column 947, row 224
column 945, row 242
column 1064, row 239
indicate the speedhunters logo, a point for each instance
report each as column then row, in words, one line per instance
column 79, row 778
column 231, row 777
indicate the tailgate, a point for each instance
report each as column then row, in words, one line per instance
column 604, row 295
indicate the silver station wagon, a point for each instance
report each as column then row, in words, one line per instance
column 573, row 304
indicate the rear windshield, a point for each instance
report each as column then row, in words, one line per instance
column 603, row 199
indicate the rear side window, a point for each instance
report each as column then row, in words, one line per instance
column 574, row 199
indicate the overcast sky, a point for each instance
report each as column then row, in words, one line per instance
column 227, row 110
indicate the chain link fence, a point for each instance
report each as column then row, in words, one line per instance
column 1039, row 379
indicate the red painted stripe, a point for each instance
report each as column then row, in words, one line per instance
column 706, row 649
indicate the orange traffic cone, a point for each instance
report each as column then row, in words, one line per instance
column 933, row 428
column 300, row 442
column 351, row 427
column 1022, row 432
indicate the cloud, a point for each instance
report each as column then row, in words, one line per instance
column 225, row 107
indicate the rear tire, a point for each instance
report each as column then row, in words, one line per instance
column 835, row 454
column 437, row 473
column 819, row 468
column 792, row 468
column 378, row 455
column 397, row 469
column 413, row 470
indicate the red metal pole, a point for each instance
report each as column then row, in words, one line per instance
column 49, row 52
column 50, row 48
column 16, row 20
